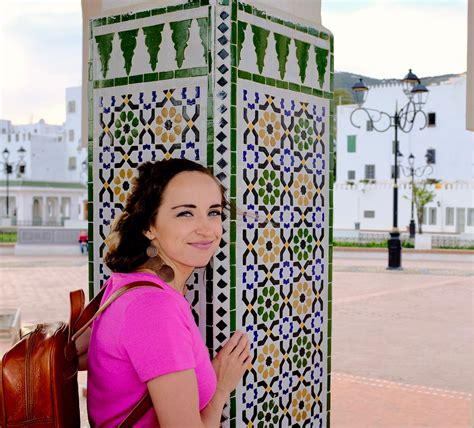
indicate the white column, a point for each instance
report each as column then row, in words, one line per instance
column 74, row 208
column 45, row 210
column 21, row 207
column 470, row 67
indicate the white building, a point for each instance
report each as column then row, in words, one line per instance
column 51, row 186
column 363, row 192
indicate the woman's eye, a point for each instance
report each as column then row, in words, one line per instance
column 215, row 213
column 185, row 214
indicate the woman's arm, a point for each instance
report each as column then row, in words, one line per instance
column 82, row 346
column 176, row 402
column 175, row 395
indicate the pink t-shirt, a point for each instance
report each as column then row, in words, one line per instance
column 145, row 333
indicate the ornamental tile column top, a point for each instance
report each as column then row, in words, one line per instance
column 309, row 10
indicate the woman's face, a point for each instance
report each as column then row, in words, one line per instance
column 188, row 226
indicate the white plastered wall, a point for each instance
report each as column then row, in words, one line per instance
column 470, row 67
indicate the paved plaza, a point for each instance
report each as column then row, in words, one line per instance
column 402, row 346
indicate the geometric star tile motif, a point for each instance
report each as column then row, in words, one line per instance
column 283, row 253
column 159, row 120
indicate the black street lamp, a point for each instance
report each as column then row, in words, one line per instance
column 20, row 166
column 403, row 120
column 411, row 172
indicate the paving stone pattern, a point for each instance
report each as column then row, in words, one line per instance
column 402, row 347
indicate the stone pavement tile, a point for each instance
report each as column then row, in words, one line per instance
column 359, row 402
column 415, row 329
column 414, row 305
column 41, row 286
column 462, row 264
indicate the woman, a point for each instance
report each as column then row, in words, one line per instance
column 147, row 339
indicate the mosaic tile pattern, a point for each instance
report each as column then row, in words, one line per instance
column 156, row 122
column 222, row 162
column 283, row 254
column 141, row 114
column 249, row 95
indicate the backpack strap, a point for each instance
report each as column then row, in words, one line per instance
column 137, row 412
column 77, row 300
column 87, row 312
column 90, row 314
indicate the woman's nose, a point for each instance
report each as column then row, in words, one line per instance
column 204, row 226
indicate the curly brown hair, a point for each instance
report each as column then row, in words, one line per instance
column 126, row 241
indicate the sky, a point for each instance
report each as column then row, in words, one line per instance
column 41, row 52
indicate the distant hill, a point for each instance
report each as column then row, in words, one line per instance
column 345, row 80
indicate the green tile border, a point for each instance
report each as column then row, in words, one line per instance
column 151, row 77
column 90, row 160
column 108, row 20
column 332, row 166
column 210, row 93
column 311, row 31
column 282, row 84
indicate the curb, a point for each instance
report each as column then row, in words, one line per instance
column 404, row 250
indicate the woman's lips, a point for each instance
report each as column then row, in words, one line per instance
column 205, row 245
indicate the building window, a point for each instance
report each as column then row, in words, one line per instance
column 9, row 138
column 431, row 119
column 351, row 144
column 470, row 216
column 449, row 216
column 392, row 171
column 369, row 126
column 17, row 137
column 430, row 156
column 71, row 135
column 72, row 163
column 369, row 214
column 4, row 130
column 29, row 136
column 71, row 107
column 369, row 172
column 432, row 215
column 351, row 175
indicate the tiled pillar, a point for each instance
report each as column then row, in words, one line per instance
column 249, row 94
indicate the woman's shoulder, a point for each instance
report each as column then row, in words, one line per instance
column 157, row 295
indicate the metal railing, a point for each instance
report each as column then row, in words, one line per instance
column 38, row 221
column 438, row 241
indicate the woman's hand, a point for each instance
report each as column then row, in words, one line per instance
column 231, row 362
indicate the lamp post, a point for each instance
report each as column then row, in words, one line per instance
column 411, row 172
column 402, row 120
column 9, row 167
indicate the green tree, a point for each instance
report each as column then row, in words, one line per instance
column 421, row 197
column 342, row 96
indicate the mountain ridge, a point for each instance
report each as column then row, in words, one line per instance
column 345, row 79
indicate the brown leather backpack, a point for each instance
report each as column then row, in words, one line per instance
column 38, row 375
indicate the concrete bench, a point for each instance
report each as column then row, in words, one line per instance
column 10, row 320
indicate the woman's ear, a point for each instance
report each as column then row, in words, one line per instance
column 149, row 234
